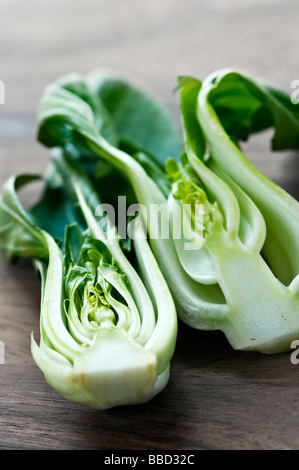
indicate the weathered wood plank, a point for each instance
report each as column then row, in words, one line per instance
column 221, row 403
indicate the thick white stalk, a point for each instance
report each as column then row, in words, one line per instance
column 263, row 313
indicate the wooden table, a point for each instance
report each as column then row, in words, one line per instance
column 217, row 398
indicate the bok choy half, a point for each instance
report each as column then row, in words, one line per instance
column 107, row 328
column 241, row 277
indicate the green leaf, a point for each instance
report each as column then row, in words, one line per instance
column 124, row 114
column 54, row 211
column 79, row 86
column 139, row 118
column 19, row 235
column 247, row 105
column 73, row 242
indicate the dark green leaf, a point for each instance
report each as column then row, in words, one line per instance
column 138, row 117
column 19, row 236
column 54, row 211
column 246, row 105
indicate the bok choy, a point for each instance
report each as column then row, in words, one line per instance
column 107, row 328
column 241, row 275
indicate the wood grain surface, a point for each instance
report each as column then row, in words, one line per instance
column 217, row 398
